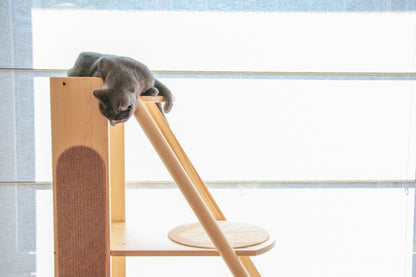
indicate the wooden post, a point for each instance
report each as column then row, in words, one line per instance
column 81, row 157
column 117, row 190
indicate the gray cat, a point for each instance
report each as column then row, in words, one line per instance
column 125, row 80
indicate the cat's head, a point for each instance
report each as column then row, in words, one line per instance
column 117, row 106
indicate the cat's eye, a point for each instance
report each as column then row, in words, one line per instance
column 125, row 108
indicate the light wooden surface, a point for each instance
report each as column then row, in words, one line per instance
column 152, row 99
column 75, row 116
column 194, row 176
column 117, row 178
column 184, row 160
column 189, row 192
column 74, row 122
column 239, row 234
column 118, row 266
column 129, row 239
column 117, row 190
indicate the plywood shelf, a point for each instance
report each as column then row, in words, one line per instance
column 128, row 239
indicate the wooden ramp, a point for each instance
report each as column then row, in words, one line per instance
column 82, row 141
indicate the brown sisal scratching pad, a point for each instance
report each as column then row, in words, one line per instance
column 239, row 235
column 80, row 195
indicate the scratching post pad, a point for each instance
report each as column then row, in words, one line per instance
column 81, row 213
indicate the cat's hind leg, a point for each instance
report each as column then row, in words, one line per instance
column 167, row 95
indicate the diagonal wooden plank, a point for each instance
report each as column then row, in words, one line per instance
column 194, row 176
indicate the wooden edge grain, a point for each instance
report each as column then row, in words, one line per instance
column 152, row 99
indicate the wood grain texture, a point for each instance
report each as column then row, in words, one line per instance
column 117, row 177
column 75, row 116
column 152, row 99
column 118, row 266
column 239, row 234
column 117, row 190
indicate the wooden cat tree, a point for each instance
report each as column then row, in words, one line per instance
column 92, row 237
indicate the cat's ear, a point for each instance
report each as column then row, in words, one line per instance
column 100, row 93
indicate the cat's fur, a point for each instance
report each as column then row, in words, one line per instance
column 125, row 80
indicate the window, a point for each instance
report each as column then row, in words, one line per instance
column 299, row 114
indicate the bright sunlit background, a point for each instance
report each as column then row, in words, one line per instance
column 300, row 115
column 256, row 127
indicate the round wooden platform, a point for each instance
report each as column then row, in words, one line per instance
column 239, row 235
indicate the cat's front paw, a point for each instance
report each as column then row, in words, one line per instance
column 151, row 92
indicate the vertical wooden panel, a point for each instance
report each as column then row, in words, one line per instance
column 118, row 266
column 76, row 121
column 117, row 178
column 117, row 187
column 75, row 117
